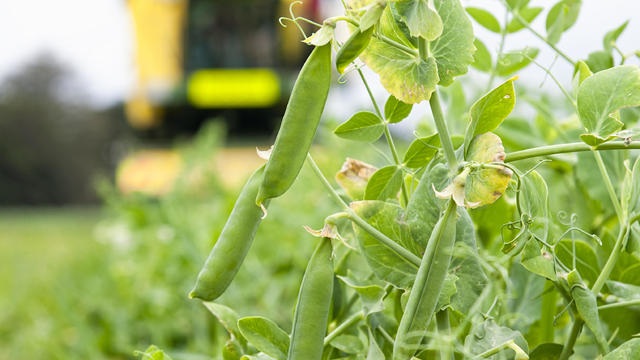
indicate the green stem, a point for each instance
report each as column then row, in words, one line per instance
column 567, row 148
column 387, row 134
column 539, row 36
column 547, row 313
column 443, row 132
column 342, row 327
column 567, row 349
column 609, row 185
column 620, row 304
column 396, row 44
column 503, row 36
column 407, row 255
column 442, row 321
column 611, row 261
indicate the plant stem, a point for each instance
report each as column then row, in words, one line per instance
column 567, row 349
column 609, row 185
column 620, row 304
column 538, row 35
column 503, row 36
column 566, row 148
column 442, row 321
column 342, row 327
column 611, row 261
column 396, row 44
column 387, row 134
column 397, row 248
column 443, row 132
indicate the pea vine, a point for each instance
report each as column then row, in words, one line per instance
column 452, row 250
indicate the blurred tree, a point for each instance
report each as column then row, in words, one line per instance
column 52, row 142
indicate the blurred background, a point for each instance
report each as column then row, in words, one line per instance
column 126, row 131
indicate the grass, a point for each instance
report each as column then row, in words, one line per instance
column 39, row 249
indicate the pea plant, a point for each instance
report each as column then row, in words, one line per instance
column 498, row 236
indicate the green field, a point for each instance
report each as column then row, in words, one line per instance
column 44, row 253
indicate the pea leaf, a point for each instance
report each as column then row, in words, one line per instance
column 601, row 96
column 538, row 259
column 395, row 110
column 349, row 344
column 586, row 258
column 454, row 49
column 374, row 352
column 490, row 111
column 488, row 335
column 406, row 76
column 587, row 308
column 265, row 335
column 524, row 300
column 352, row 48
column 528, row 14
column 484, row 18
column 612, row 36
column 228, row 318
column 580, row 73
column 599, row 60
column 372, row 16
column 482, row 57
column 421, row 151
column 546, row 351
column 421, row 19
column 370, row 293
column 152, row 353
column 322, row 36
column 362, row 126
column 384, row 183
column 628, row 350
column 385, row 263
column 510, row 62
column 484, row 185
column 517, row 4
column 624, row 291
column 534, row 202
column 561, row 17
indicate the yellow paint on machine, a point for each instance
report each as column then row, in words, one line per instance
column 233, row 88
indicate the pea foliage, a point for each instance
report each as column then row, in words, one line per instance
column 496, row 236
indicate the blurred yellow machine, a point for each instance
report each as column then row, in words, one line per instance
column 202, row 58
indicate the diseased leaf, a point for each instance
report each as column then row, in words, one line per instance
column 490, row 111
column 510, row 62
column 484, row 18
column 528, row 14
column 395, row 110
column 384, row 183
column 484, row 185
column 265, row 335
column 354, row 176
column 421, row 19
column 482, row 57
column 601, row 96
column 421, row 151
column 454, row 49
column 362, row 126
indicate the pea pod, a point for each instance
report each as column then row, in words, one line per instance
column 299, row 124
column 312, row 309
column 427, row 286
column 233, row 244
column 352, row 48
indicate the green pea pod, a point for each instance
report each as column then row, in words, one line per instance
column 233, row 244
column 587, row 308
column 312, row 310
column 427, row 286
column 299, row 124
column 353, row 47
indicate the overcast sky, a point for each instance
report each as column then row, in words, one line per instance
column 94, row 37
